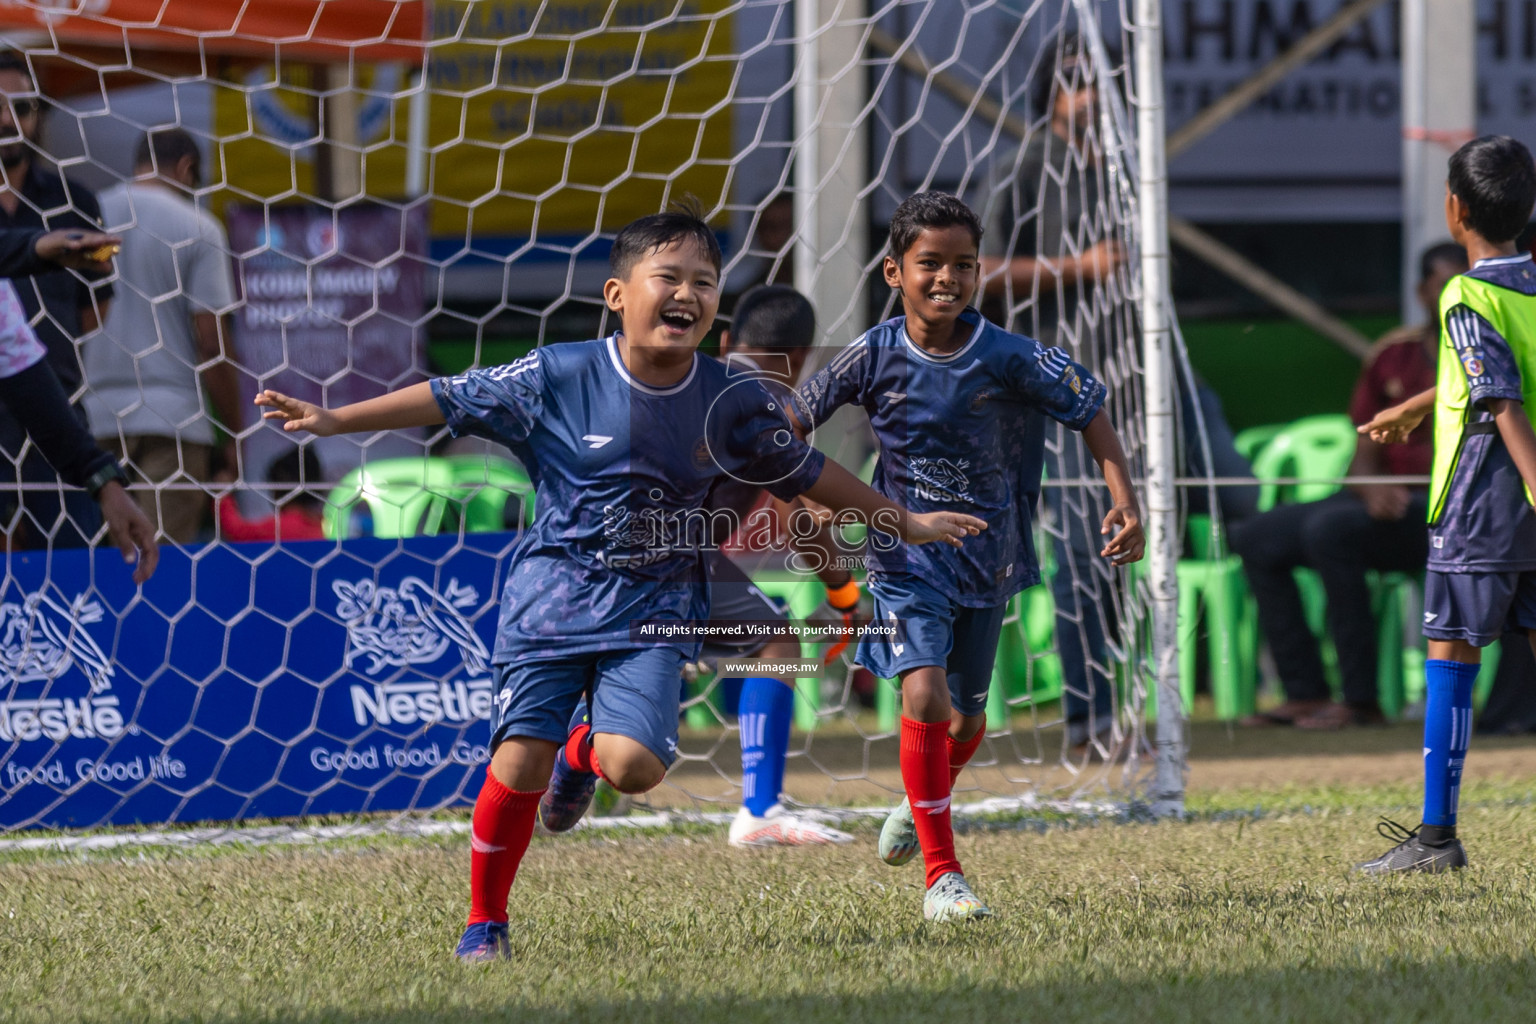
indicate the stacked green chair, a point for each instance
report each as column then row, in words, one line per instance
column 1251, row 441
column 1212, row 587
column 409, row 496
column 484, row 484
column 401, row 497
column 1216, row 586
column 1027, row 670
column 1317, row 450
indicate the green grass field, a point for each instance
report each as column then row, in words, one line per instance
column 1245, row 912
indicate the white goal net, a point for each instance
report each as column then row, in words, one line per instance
column 395, row 190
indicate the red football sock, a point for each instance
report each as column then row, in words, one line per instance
column 925, row 771
column 960, row 753
column 578, row 751
column 498, row 838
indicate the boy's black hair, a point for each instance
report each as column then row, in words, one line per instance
column 1445, row 252
column 299, row 466
column 12, row 60
column 684, row 221
column 1495, row 179
column 773, row 317
column 929, row 210
column 163, row 148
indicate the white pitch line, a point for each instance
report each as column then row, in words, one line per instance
column 303, row 835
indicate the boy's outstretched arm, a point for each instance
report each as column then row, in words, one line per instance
column 1129, row 542
column 839, row 489
column 1515, row 429
column 1393, row 425
column 413, row 406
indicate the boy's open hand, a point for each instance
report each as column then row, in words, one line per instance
column 296, row 415
column 1393, row 425
column 1129, row 542
column 949, row 527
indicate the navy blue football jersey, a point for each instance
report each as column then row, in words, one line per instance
column 958, row 432
column 1487, row 524
column 623, row 472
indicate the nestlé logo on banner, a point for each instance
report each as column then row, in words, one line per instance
column 413, row 624
column 41, row 640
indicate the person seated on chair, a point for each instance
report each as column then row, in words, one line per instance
column 300, row 512
column 1362, row 527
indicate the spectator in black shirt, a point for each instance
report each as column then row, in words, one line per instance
column 34, row 195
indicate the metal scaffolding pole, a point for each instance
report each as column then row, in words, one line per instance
column 1439, row 114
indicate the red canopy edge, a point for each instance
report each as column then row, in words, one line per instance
column 322, row 30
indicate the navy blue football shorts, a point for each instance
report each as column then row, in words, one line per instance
column 634, row 693
column 1478, row 607
column 932, row 629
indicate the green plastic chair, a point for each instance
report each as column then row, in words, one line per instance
column 1323, row 446
column 1027, row 670
column 1212, row 587
column 403, row 497
column 1251, row 441
column 1208, row 590
column 802, row 595
column 483, row 486
column 1397, row 662
column 1316, row 449
column 1213, row 580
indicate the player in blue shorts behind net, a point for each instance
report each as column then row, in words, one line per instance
column 956, row 404
column 624, row 438
column 1481, row 577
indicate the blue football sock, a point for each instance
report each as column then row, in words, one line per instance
column 766, row 708
column 1447, row 732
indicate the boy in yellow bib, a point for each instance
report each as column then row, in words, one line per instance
column 1481, row 576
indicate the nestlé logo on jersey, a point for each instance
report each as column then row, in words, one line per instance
column 942, row 479
column 413, row 624
column 43, row 641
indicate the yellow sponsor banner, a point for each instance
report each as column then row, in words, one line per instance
column 551, row 119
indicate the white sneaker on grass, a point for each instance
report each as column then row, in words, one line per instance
column 898, row 836
column 782, row 827
column 951, row 899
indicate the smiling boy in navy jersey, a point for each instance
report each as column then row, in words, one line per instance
column 954, row 401
column 1481, row 576
column 624, row 438
column 771, row 335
